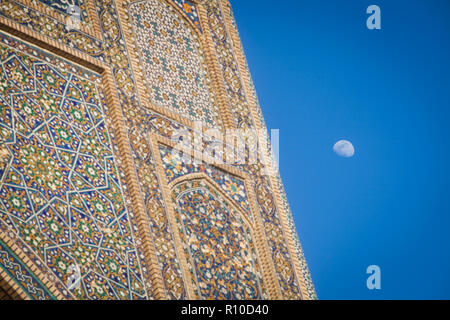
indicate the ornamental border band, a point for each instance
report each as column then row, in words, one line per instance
column 135, row 163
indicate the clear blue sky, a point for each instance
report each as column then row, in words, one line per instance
column 322, row 76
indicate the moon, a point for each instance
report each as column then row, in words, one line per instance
column 344, row 148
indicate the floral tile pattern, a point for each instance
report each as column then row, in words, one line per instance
column 173, row 63
column 63, row 6
column 59, row 185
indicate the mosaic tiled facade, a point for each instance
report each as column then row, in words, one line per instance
column 117, row 206
column 173, row 63
column 175, row 168
column 299, row 251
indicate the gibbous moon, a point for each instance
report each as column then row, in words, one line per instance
column 344, row 148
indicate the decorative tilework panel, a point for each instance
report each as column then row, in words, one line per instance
column 22, row 276
column 190, row 9
column 218, row 244
column 175, row 167
column 172, row 62
column 59, row 185
column 63, row 5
